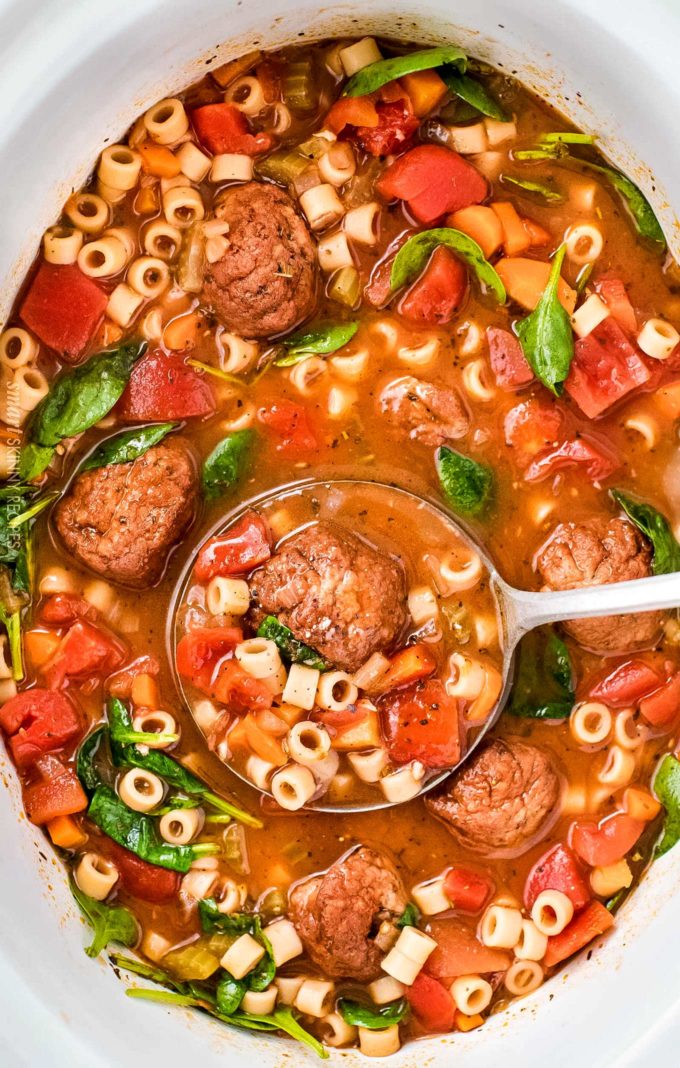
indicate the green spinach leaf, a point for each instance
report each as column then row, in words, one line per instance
column 128, row 446
column 414, row 254
column 225, row 465
column 34, row 459
column 293, row 650
column 655, row 526
column 538, row 189
column 473, row 93
column 544, row 682
column 230, row 994
column 88, row 760
column 546, row 336
column 371, row 1016
column 238, row 923
column 667, row 788
column 377, row 74
column 467, row 485
column 110, row 923
column 410, row 917
column 646, row 222
column 322, row 340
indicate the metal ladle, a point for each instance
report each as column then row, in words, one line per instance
column 519, row 611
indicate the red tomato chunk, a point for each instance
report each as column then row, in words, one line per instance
column 223, row 128
column 433, row 181
column 290, row 423
column 239, row 691
column 141, row 879
column 508, row 362
column 459, row 952
column 244, row 546
column 530, row 427
column 84, row 650
column 630, row 681
column 200, row 651
column 439, row 291
column 559, row 870
column 663, row 706
column 55, row 792
column 604, row 843
column 593, row 921
column 421, row 723
column 64, row 308
column 432, row 1004
column 395, row 127
column 605, row 368
column 64, row 608
column 162, row 386
column 466, row 890
column 597, row 462
column 39, row 721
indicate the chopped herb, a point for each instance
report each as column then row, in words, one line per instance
column 128, row 446
column 467, row 485
column 377, row 74
column 110, row 923
column 666, row 786
column 322, row 340
column 552, row 196
column 225, row 465
column 544, row 681
column 410, row 917
column 371, row 1016
column 546, row 336
column 655, row 527
column 293, row 650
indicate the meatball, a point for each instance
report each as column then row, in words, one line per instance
column 589, row 554
column 122, row 520
column 500, row 801
column 338, row 914
column 423, row 411
column 266, row 281
column 334, row 592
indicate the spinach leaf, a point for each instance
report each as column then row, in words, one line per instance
column 473, row 93
column 34, row 459
column 552, row 196
column 667, row 788
column 238, row 923
column 546, row 336
column 414, row 254
column 123, row 734
column 137, row 832
column 87, row 760
column 655, row 526
column 78, row 399
column 225, row 465
column 467, row 486
column 110, row 923
column 292, row 649
column 377, row 74
column 17, row 511
column 128, row 446
column 544, row 683
column 230, row 994
column 322, row 340
column 410, row 917
column 372, row 1017
column 646, row 222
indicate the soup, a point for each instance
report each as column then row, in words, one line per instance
column 295, row 307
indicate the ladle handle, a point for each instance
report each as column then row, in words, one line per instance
column 526, row 610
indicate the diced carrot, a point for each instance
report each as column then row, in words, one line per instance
column 290, row 714
column 237, row 735
column 146, row 201
column 639, row 804
column 667, row 400
column 363, row 734
column 525, row 281
column 108, row 334
column 66, row 833
column 158, row 160
column 587, row 925
column 407, row 666
column 481, row 224
column 262, row 744
column 40, row 646
column 145, row 691
column 537, row 235
column 467, row 1023
column 229, row 72
column 516, row 238
column 425, row 90
column 181, row 333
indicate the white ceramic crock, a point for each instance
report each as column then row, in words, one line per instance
column 74, row 74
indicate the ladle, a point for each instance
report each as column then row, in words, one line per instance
column 519, row 611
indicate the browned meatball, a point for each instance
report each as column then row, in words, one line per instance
column 266, row 281
column 335, row 592
column 500, row 801
column 423, row 411
column 122, row 520
column 338, row 914
column 589, row 554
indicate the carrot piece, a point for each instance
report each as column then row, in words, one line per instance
column 290, row 714
column 362, row 734
column 525, row 280
column 468, row 1023
column 181, row 333
column 146, row 201
column 425, row 90
column 481, row 224
column 66, row 833
column 229, row 72
column 262, row 744
column 667, row 400
column 516, row 239
column 237, row 735
column 640, row 804
column 40, row 646
column 537, row 235
column 587, row 925
column 158, row 160
column 145, row 692
column 108, row 334
column 407, row 666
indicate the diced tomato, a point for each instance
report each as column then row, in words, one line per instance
column 433, row 180
column 613, row 293
column 38, row 721
column 558, row 869
column 420, row 722
column 241, row 548
column 431, row 1003
column 224, row 128
column 290, row 423
column 55, row 792
column 395, row 128
column 603, row 843
column 162, row 386
column 459, row 952
column 239, row 691
column 120, row 684
column 439, row 290
column 593, row 921
column 629, row 682
column 199, row 651
column 467, row 890
column 64, row 308
column 530, row 427
column 139, row 878
column 61, row 609
column 605, row 368
column 84, row 650
column 508, row 362
column 597, row 463
column 352, row 111
column 661, row 708
column 407, row 666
